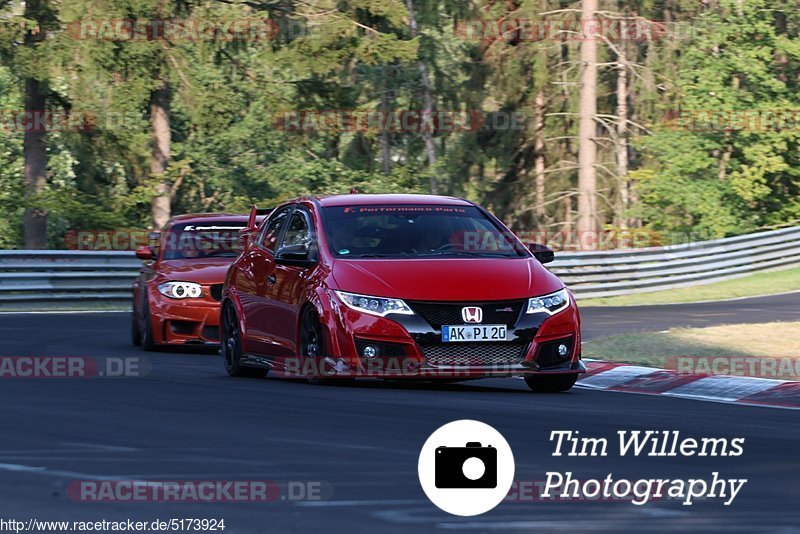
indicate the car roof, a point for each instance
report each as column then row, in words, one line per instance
column 360, row 199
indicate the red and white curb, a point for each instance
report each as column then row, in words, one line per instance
column 717, row 388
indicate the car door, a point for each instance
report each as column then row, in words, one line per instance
column 286, row 294
column 257, row 275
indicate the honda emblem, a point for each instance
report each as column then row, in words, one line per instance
column 472, row 314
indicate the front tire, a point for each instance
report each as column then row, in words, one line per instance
column 136, row 335
column 551, row 383
column 231, row 342
column 312, row 347
column 146, row 333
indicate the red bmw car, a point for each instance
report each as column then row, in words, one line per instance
column 396, row 286
column 176, row 296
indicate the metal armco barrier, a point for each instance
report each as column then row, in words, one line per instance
column 40, row 279
column 620, row 272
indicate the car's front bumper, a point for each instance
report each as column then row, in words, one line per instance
column 192, row 322
column 410, row 346
column 340, row 367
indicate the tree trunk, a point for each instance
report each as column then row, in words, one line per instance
column 587, row 149
column 35, row 154
column 538, row 147
column 621, row 145
column 384, row 140
column 427, row 99
column 781, row 59
column 568, row 224
column 160, row 206
column 35, row 140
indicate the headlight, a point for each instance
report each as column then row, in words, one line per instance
column 551, row 304
column 374, row 305
column 180, row 290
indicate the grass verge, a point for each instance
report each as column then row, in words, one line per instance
column 660, row 349
column 767, row 283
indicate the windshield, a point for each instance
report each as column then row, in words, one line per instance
column 413, row 231
column 198, row 241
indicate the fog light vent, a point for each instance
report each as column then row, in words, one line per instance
column 554, row 353
column 383, row 349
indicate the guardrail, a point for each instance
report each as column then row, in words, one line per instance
column 620, row 272
column 43, row 279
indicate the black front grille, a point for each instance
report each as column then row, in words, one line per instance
column 185, row 328
column 474, row 354
column 216, row 292
column 439, row 313
column 547, row 355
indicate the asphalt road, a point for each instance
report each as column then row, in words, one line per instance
column 187, row 420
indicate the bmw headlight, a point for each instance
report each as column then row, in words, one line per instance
column 379, row 306
column 180, row 290
column 551, row 304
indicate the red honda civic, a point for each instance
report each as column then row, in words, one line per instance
column 396, row 286
column 176, row 296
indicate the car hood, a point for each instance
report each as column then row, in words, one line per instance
column 205, row 271
column 453, row 279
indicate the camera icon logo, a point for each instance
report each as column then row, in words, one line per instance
column 466, row 467
column 472, row 466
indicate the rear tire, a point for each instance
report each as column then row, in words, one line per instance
column 312, row 346
column 551, row 383
column 231, row 342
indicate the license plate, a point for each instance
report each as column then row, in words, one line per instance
column 478, row 332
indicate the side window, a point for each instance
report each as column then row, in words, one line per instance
column 298, row 232
column 272, row 229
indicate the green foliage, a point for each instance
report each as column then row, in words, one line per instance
column 228, row 96
column 11, row 167
column 733, row 181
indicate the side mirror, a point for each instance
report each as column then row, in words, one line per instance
column 144, row 252
column 155, row 243
column 297, row 255
column 543, row 253
column 257, row 215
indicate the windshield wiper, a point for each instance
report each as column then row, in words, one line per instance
column 370, row 255
column 469, row 254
